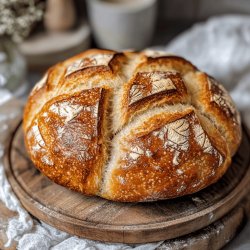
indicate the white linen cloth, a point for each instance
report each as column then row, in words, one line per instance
column 221, row 47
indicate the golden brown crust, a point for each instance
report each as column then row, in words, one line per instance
column 215, row 102
column 130, row 126
column 149, row 89
column 166, row 159
column 67, row 135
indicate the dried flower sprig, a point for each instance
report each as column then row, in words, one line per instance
column 18, row 17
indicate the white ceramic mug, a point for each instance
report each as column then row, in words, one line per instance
column 122, row 24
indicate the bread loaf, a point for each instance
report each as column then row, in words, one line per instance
column 130, row 126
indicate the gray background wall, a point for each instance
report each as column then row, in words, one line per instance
column 175, row 16
column 200, row 9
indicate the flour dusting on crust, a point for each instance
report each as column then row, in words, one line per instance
column 76, row 125
column 155, row 53
column 203, row 141
column 35, row 132
column 175, row 136
column 66, row 110
column 76, row 139
column 149, row 83
column 89, row 61
column 220, row 96
column 38, row 147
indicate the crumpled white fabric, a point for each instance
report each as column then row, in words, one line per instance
column 45, row 237
column 220, row 47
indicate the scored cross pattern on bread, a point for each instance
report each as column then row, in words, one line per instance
column 130, row 126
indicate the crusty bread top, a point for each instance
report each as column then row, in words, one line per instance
column 130, row 126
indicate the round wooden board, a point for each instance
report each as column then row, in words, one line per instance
column 100, row 219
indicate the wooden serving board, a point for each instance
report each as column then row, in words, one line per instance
column 100, row 219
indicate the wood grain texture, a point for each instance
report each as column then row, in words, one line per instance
column 99, row 219
column 212, row 237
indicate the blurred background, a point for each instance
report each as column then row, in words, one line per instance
column 35, row 34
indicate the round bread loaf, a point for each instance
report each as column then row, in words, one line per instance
column 130, row 126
